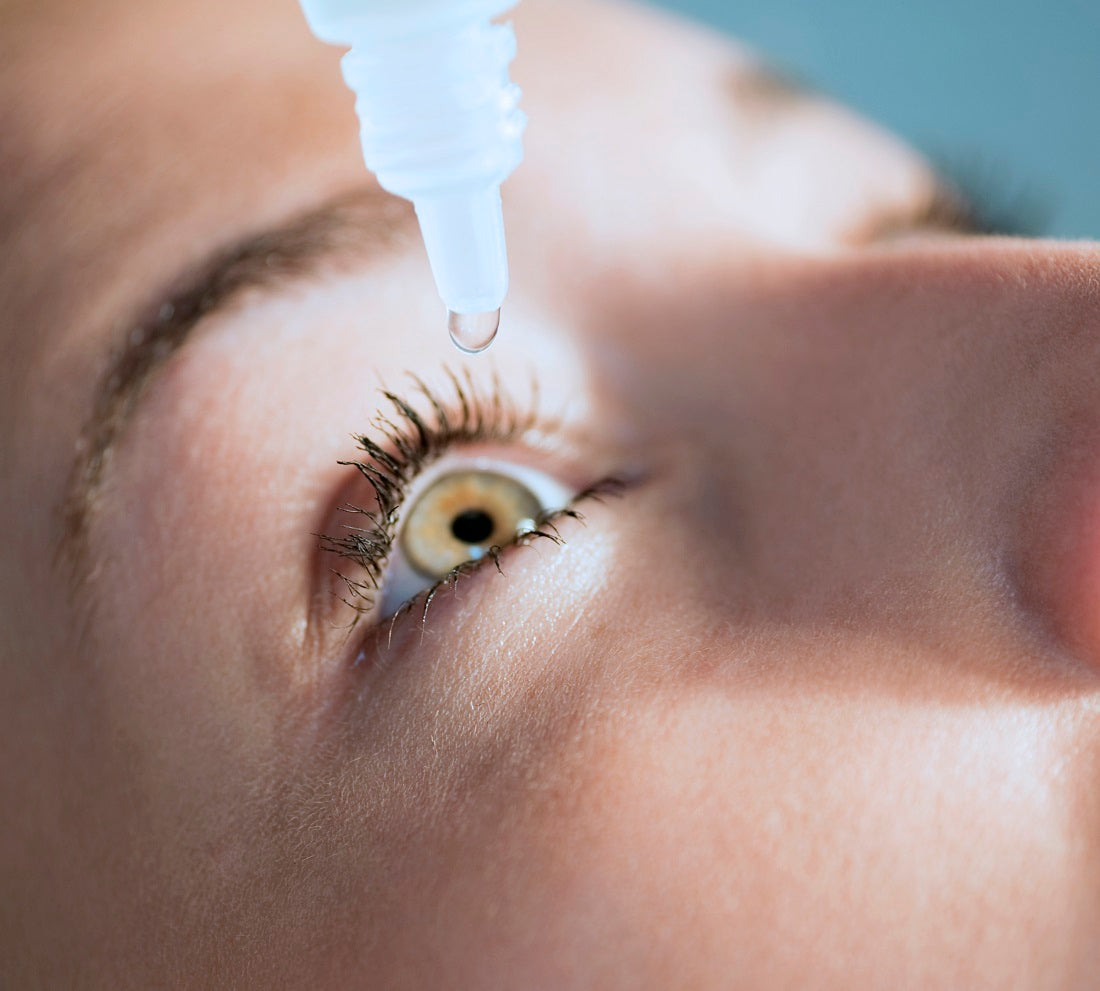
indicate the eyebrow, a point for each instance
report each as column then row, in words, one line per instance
column 343, row 231
column 946, row 207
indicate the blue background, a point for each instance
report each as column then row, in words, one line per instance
column 1004, row 95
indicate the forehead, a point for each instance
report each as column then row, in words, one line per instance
column 135, row 136
column 133, row 130
column 144, row 135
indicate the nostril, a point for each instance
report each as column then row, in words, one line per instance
column 1060, row 574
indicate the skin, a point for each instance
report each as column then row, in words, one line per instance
column 815, row 703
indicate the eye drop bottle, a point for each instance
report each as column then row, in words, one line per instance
column 441, row 126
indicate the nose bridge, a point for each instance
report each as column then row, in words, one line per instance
column 854, row 433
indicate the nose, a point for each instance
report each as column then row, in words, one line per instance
column 859, row 437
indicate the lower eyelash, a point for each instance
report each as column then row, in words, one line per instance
column 546, row 530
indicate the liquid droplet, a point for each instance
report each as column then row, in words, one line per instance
column 472, row 333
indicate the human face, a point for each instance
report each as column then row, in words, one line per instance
column 811, row 699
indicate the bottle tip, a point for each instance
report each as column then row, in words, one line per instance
column 472, row 333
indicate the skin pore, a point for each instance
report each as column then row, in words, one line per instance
column 813, row 702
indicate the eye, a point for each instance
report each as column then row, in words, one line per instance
column 461, row 515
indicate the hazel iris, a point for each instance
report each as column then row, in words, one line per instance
column 462, row 516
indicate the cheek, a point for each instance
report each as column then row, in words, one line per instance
column 691, row 834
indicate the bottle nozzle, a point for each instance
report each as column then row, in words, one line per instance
column 440, row 125
column 464, row 234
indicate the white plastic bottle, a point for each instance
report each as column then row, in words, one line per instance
column 441, row 126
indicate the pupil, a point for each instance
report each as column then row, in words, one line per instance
column 474, row 526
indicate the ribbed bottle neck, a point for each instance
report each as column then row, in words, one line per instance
column 437, row 108
column 351, row 22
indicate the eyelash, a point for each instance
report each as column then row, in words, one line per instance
column 991, row 200
column 409, row 442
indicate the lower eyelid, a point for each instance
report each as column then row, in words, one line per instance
column 381, row 641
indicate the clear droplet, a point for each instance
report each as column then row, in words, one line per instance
column 472, row 333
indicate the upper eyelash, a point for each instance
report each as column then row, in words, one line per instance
column 406, row 442
column 987, row 198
